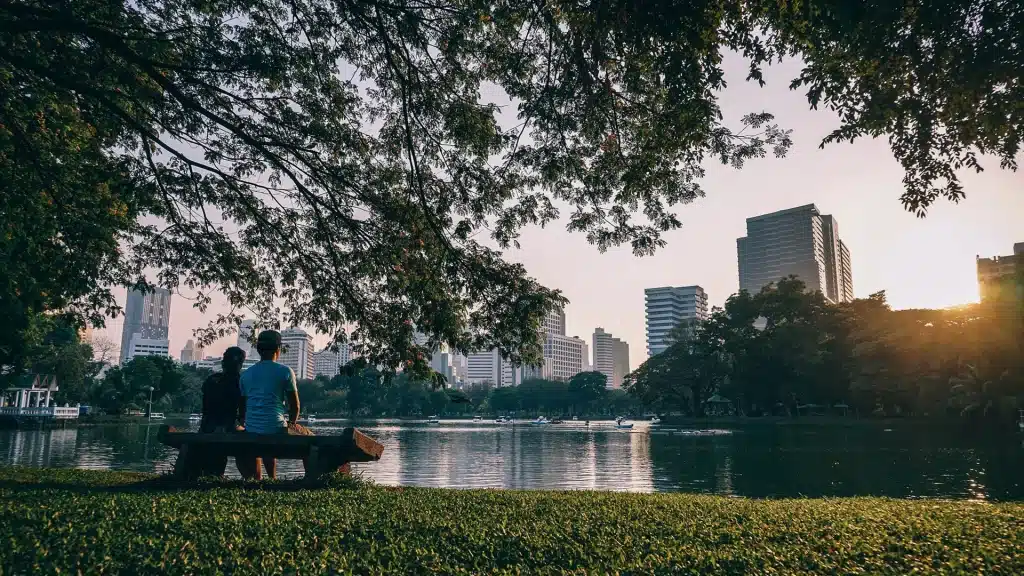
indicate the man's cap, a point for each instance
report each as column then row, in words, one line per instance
column 268, row 340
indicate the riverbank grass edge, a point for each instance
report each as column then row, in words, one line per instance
column 74, row 521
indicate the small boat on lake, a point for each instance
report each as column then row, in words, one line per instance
column 477, row 419
column 433, row 419
column 501, row 420
column 157, row 416
column 540, row 420
column 620, row 423
column 655, row 420
column 574, row 418
column 558, row 421
column 195, row 417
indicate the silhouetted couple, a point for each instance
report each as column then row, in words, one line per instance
column 261, row 400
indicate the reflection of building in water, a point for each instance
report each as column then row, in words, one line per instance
column 42, row 447
column 723, row 474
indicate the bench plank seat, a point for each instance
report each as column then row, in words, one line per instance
column 322, row 454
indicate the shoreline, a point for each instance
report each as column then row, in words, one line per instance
column 114, row 522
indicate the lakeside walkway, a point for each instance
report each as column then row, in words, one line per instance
column 70, row 520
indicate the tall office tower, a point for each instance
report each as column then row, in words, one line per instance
column 297, row 352
column 146, row 319
column 797, row 241
column 611, row 357
column 668, row 308
column 325, row 363
column 554, row 322
column 567, row 355
column 246, row 329
column 191, row 353
column 484, row 367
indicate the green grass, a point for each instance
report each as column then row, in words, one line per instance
column 65, row 522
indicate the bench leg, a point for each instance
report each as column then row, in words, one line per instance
column 182, row 465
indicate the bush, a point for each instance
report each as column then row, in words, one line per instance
column 61, row 521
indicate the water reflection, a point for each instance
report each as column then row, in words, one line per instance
column 755, row 461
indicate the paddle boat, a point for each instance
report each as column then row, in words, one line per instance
column 620, row 423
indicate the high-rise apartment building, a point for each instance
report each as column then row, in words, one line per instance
column 611, row 357
column 326, row 363
column 1001, row 279
column 484, row 367
column 297, row 352
column 554, row 322
column 567, row 355
column 148, row 316
column 797, row 241
column 667, row 308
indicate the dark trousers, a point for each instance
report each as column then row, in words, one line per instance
column 249, row 465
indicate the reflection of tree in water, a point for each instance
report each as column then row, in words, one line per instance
column 795, row 461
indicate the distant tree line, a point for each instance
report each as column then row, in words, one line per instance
column 789, row 351
column 367, row 393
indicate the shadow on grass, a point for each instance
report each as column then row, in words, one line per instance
column 83, row 484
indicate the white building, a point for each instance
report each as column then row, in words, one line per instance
column 568, row 356
column 297, row 352
column 213, row 363
column 139, row 346
column 326, row 363
column 147, row 315
column 666, row 308
column 611, row 357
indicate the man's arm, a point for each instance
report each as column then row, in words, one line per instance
column 292, row 397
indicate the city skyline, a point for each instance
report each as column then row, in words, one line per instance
column 920, row 262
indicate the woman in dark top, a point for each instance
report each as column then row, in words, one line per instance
column 220, row 403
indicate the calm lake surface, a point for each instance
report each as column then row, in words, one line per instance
column 759, row 460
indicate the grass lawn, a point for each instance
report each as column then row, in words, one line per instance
column 68, row 522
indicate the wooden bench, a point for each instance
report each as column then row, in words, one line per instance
column 321, row 454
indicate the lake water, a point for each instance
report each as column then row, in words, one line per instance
column 759, row 460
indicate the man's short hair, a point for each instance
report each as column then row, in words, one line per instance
column 268, row 341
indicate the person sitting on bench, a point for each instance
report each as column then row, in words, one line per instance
column 270, row 400
column 220, row 404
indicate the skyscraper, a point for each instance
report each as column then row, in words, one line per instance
column 146, row 319
column 611, row 357
column 191, row 353
column 245, row 332
column 667, row 308
column 567, row 355
column 325, row 363
column 297, row 352
column 797, row 241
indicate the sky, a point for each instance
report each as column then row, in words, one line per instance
column 919, row 262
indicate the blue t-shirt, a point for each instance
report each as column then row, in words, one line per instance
column 264, row 386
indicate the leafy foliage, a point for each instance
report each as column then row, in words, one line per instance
column 339, row 161
column 69, row 521
column 784, row 348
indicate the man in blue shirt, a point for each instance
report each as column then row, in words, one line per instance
column 270, row 399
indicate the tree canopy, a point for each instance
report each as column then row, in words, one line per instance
column 337, row 160
column 783, row 349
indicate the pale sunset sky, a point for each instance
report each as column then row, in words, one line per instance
column 920, row 263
